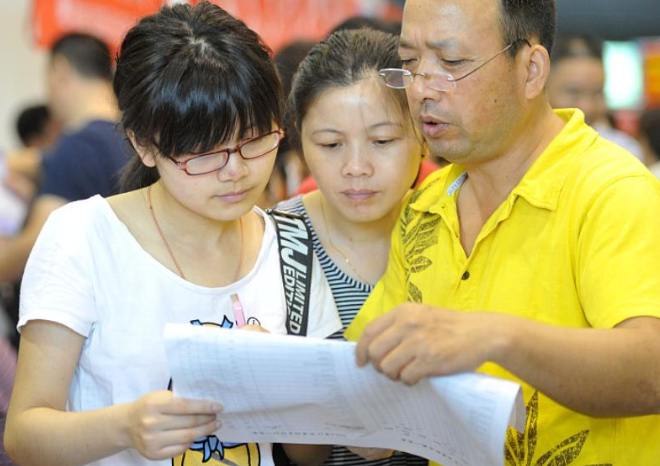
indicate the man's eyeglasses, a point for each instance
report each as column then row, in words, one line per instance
column 213, row 161
column 398, row 78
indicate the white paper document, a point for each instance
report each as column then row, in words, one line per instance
column 277, row 388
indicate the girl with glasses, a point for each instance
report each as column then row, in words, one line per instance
column 200, row 102
column 359, row 141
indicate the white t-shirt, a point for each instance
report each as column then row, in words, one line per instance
column 89, row 273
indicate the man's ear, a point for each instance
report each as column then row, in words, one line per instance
column 537, row 69
column 146, row 154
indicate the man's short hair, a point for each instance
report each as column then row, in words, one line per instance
column 525, row 19
column 88, row 55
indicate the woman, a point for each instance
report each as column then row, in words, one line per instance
column 200, row 102
column 359, row 142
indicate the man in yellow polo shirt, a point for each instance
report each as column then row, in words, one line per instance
column 534, row 256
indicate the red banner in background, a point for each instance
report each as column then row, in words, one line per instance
column 109, row 20
column 280, row 22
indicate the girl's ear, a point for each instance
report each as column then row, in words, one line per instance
column 146, row 155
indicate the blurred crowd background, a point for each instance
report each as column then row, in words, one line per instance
column 630, row 30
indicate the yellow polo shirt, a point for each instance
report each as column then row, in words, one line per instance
column 576, row 244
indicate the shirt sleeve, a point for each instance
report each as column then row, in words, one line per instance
column 323, row 315
column 618, row 253
column 388, row 292
column 57, row 284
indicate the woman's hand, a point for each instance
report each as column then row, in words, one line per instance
column 254, row 328
column 371, row 454
column 161, row 426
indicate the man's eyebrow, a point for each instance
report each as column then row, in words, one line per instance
column 442, row 44
column 432, row 44
column 403, row 43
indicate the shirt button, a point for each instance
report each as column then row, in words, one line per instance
column 466, row 275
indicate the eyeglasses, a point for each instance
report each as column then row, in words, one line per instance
column 398, row 78
column 213, row 161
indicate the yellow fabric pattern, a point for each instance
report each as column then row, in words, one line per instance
column 576, row 244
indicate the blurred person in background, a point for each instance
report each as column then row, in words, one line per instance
column 290, row 168
column 85, row 160
column 359, row 22
column 577, row 80
column 36, row 127
column 649, row 138
column 37, row 130
column 88, row 156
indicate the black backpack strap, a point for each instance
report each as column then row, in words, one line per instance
column 296, row 256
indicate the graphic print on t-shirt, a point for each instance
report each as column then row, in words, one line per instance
column 209, row 451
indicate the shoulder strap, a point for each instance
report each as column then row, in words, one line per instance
column 296, row 255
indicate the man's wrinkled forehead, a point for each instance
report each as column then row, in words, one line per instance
column 446, row 24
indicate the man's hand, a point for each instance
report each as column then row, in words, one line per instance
column 414, row 341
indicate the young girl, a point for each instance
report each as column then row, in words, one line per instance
column 200, row 102
column 359, row 142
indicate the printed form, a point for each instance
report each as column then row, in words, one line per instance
column 286, row 389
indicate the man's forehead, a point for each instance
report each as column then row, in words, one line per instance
column 445, row 24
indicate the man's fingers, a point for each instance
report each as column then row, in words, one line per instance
column 412, row 372
column 396, row 359
column 371, row 332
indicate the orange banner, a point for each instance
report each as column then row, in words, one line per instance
column 109, row 20
column 280, row 22
column 651, row 50
column 277, row 21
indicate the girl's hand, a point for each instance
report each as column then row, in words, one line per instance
column 161, row 426
column 371, row 454
column 254, row 328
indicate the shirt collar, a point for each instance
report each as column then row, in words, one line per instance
column 542, row 183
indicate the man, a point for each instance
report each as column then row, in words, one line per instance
column 534, row 255
column 577, row 79
column 88, row 156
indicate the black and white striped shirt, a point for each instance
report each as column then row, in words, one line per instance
column 349, row 294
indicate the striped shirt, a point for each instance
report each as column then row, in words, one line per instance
column 349, row 295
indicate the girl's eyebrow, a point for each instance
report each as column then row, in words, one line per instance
column 385, row 123
column 326, row 130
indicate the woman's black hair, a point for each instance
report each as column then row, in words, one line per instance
column 190, row 78
column 341, row 60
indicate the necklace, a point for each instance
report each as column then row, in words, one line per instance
column 169, row 249
column 336, row 248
